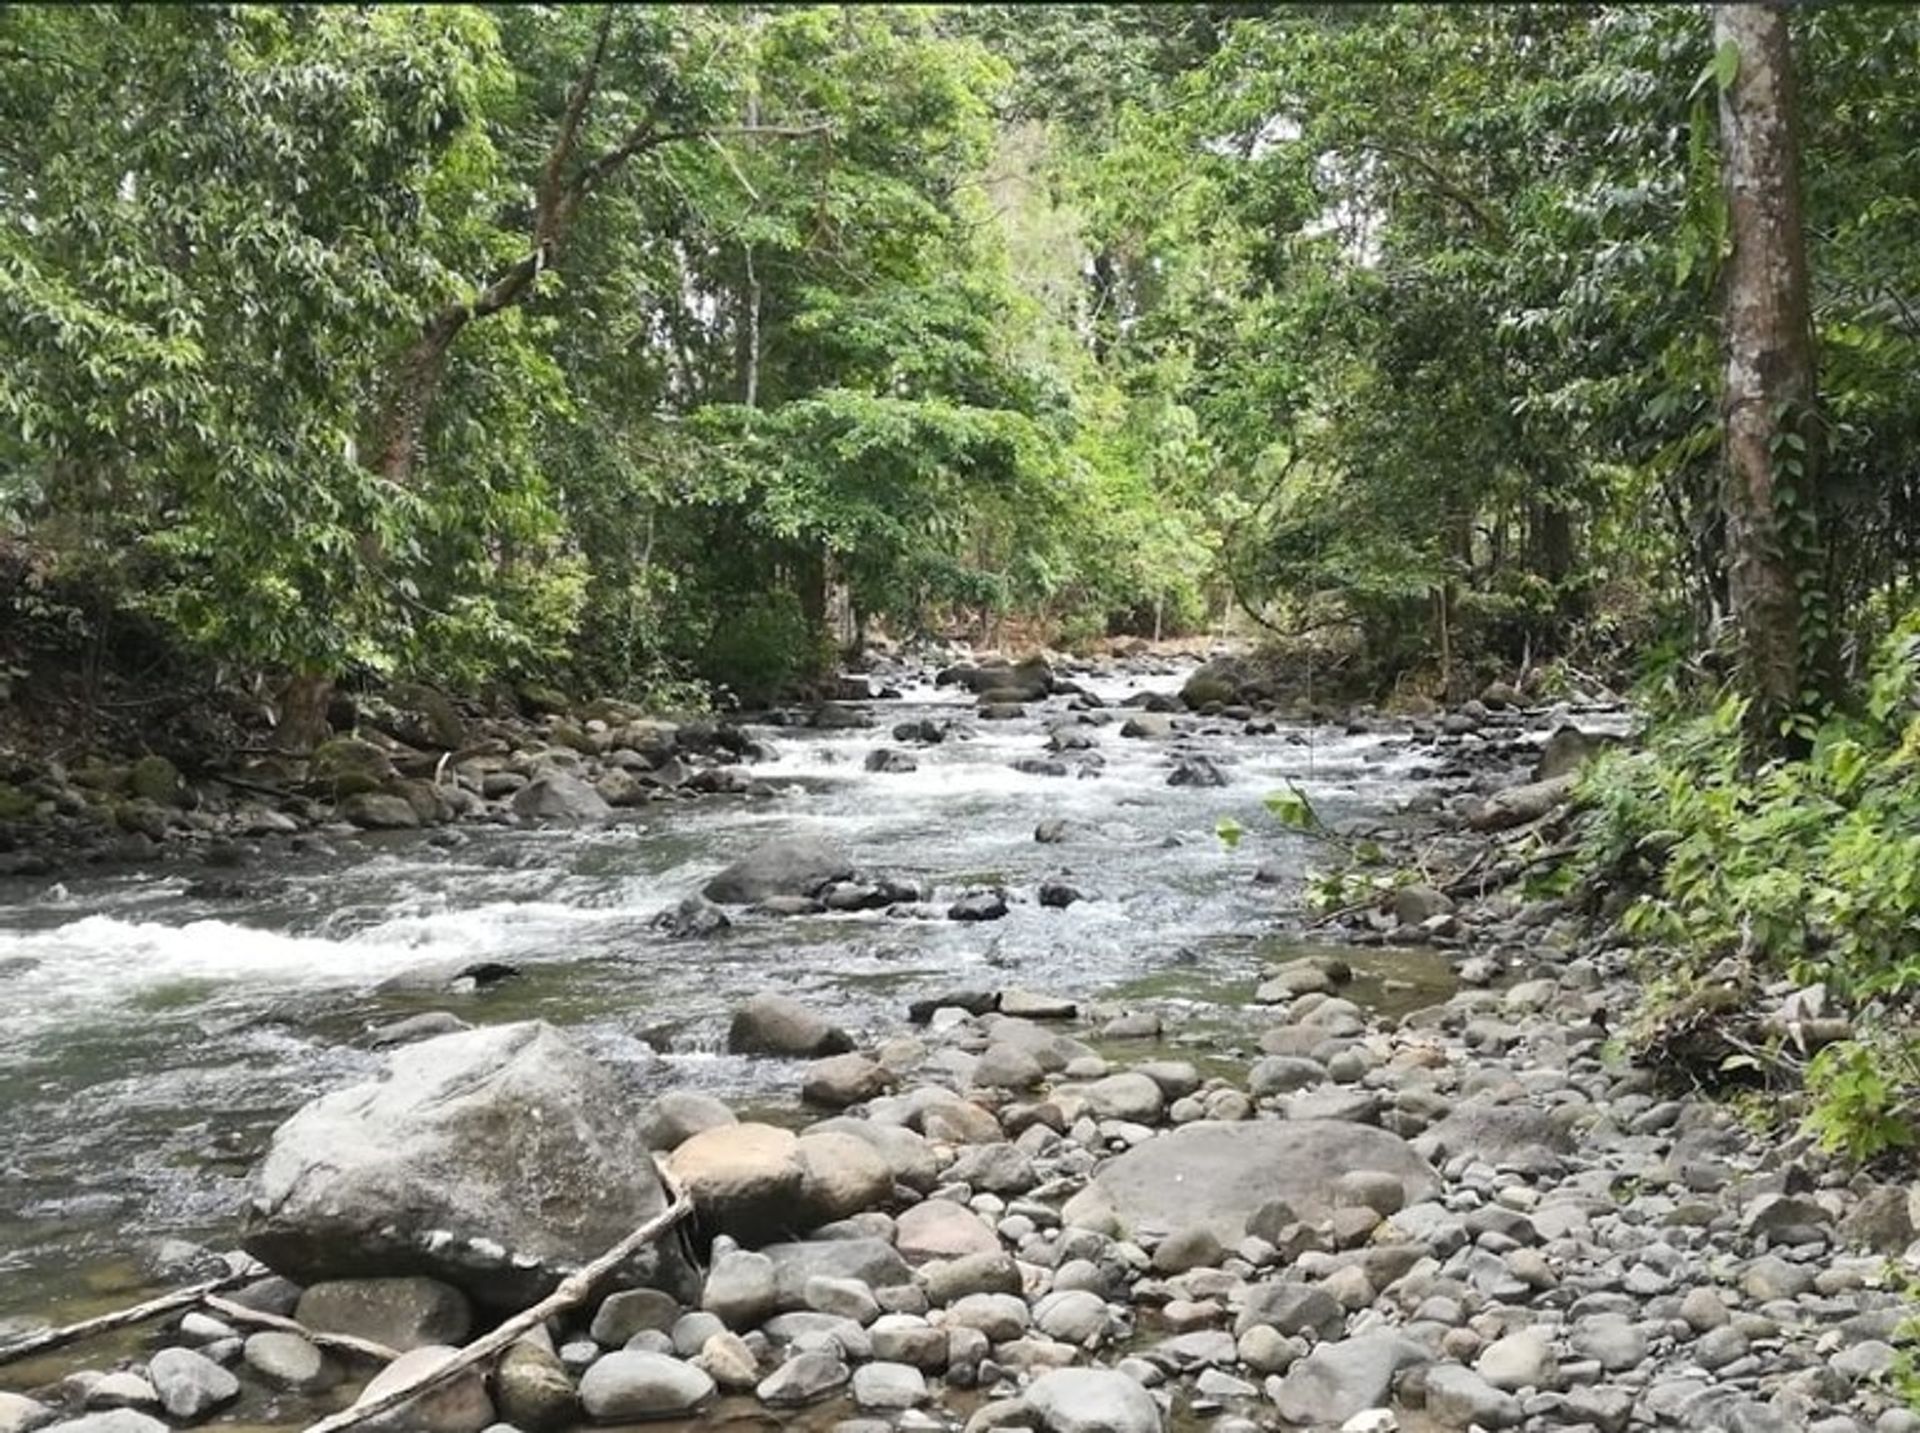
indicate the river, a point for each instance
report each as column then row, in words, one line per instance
column 150, row 1040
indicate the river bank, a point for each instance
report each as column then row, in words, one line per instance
column 1563, row 1245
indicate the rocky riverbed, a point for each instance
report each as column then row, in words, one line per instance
column 1025, row 1192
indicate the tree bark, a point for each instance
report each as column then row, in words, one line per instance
column 1768, row 489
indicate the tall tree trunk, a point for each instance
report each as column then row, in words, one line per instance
column 1769, row 485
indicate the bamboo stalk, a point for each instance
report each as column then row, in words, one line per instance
column 573, row 1290
column 241, row 1314
column 106, row 1323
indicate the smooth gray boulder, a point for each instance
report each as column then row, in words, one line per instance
column 770, row 1024
column 190, row 1384
column 1217, row 1175
column 1338, row 1380
column 629, row 1386
column 795, row 865
column 494, row 1159
column 1092, row 1400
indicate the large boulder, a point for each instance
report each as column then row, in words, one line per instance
column 1215, row 1175
column 347, row 766
column 1216, row 683
column 795, row 865
column 495, row 1159
column 745, row 1179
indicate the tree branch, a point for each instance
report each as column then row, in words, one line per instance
column 1442, row 182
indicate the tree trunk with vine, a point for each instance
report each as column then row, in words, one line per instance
column 1769, row 489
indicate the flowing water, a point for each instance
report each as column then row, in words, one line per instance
column 150, row 1041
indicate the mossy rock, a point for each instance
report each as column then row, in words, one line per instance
column 350, row 766
column 539, row 700
column 102, row 776
column 15, row 804
column 1214, row 684
column 430, row 716
column 155, row 779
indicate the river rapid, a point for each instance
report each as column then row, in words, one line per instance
column 150, row 1039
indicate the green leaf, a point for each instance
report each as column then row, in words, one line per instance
column 1726, row 64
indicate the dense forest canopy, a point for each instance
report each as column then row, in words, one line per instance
column 618, row 347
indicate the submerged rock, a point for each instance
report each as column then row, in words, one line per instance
column 795, row 865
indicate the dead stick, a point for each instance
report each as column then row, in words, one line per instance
column 241, row 1314
column 138, row 1314
column 573, row 1289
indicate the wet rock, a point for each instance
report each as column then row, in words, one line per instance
column 925, row 731
column 695, row 918
column 1219, row 1174
column 1212, row 684
column 1196, row 770
column 403, row 1313
column 379, row 811
column 560, row 797
column 1058, row 895
column 772, row 1024
column 1148, row 726
column 631, row 1386
column 886, row 760
column 1092, row 1400
column 793, row 865
column 458, row 1406
column 1036, row 1005
column 842, row 1080
column 492, row 1159
column 979, row 906
column 1051, row 832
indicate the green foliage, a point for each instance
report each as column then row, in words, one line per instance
column 1803, row 867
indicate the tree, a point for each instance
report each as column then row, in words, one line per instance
column 1772, row 507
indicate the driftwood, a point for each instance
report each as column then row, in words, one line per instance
column 347, row 1343
column 573, row 1290
column 123, row 1318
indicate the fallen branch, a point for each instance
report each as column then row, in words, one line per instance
column 106, row 1323
column 241, row 1314
column 1506, row 873
column 573, row 1290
